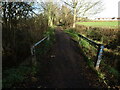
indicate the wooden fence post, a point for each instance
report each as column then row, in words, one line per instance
column 99, row 56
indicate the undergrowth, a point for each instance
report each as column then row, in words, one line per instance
column 15, row 76
column 20, row 76
column 45, row 46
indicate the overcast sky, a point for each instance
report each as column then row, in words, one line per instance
column 111, row 8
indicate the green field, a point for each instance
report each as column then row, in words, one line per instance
column 104, row 24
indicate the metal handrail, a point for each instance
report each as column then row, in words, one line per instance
column 99, row 53
column 91, row 41
column 33, row 47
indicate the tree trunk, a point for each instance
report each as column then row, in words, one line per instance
column 50, row 21
column 74, row 18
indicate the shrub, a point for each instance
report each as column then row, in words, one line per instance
column 94, row 34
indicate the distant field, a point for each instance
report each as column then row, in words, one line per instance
column 104, row 24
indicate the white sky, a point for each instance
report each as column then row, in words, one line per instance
column 111, row 9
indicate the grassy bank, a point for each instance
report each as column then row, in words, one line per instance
column 107, row 72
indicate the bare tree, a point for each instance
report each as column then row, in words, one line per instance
column 50, row 11
column 84, row 8
column 66, row 18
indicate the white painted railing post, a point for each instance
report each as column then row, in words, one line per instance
column 33, row 56
column 99, row 56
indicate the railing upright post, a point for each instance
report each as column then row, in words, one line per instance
column 33, row 62
column 99, row 52
column 99, row 56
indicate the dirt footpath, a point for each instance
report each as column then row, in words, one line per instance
column 65, row 67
